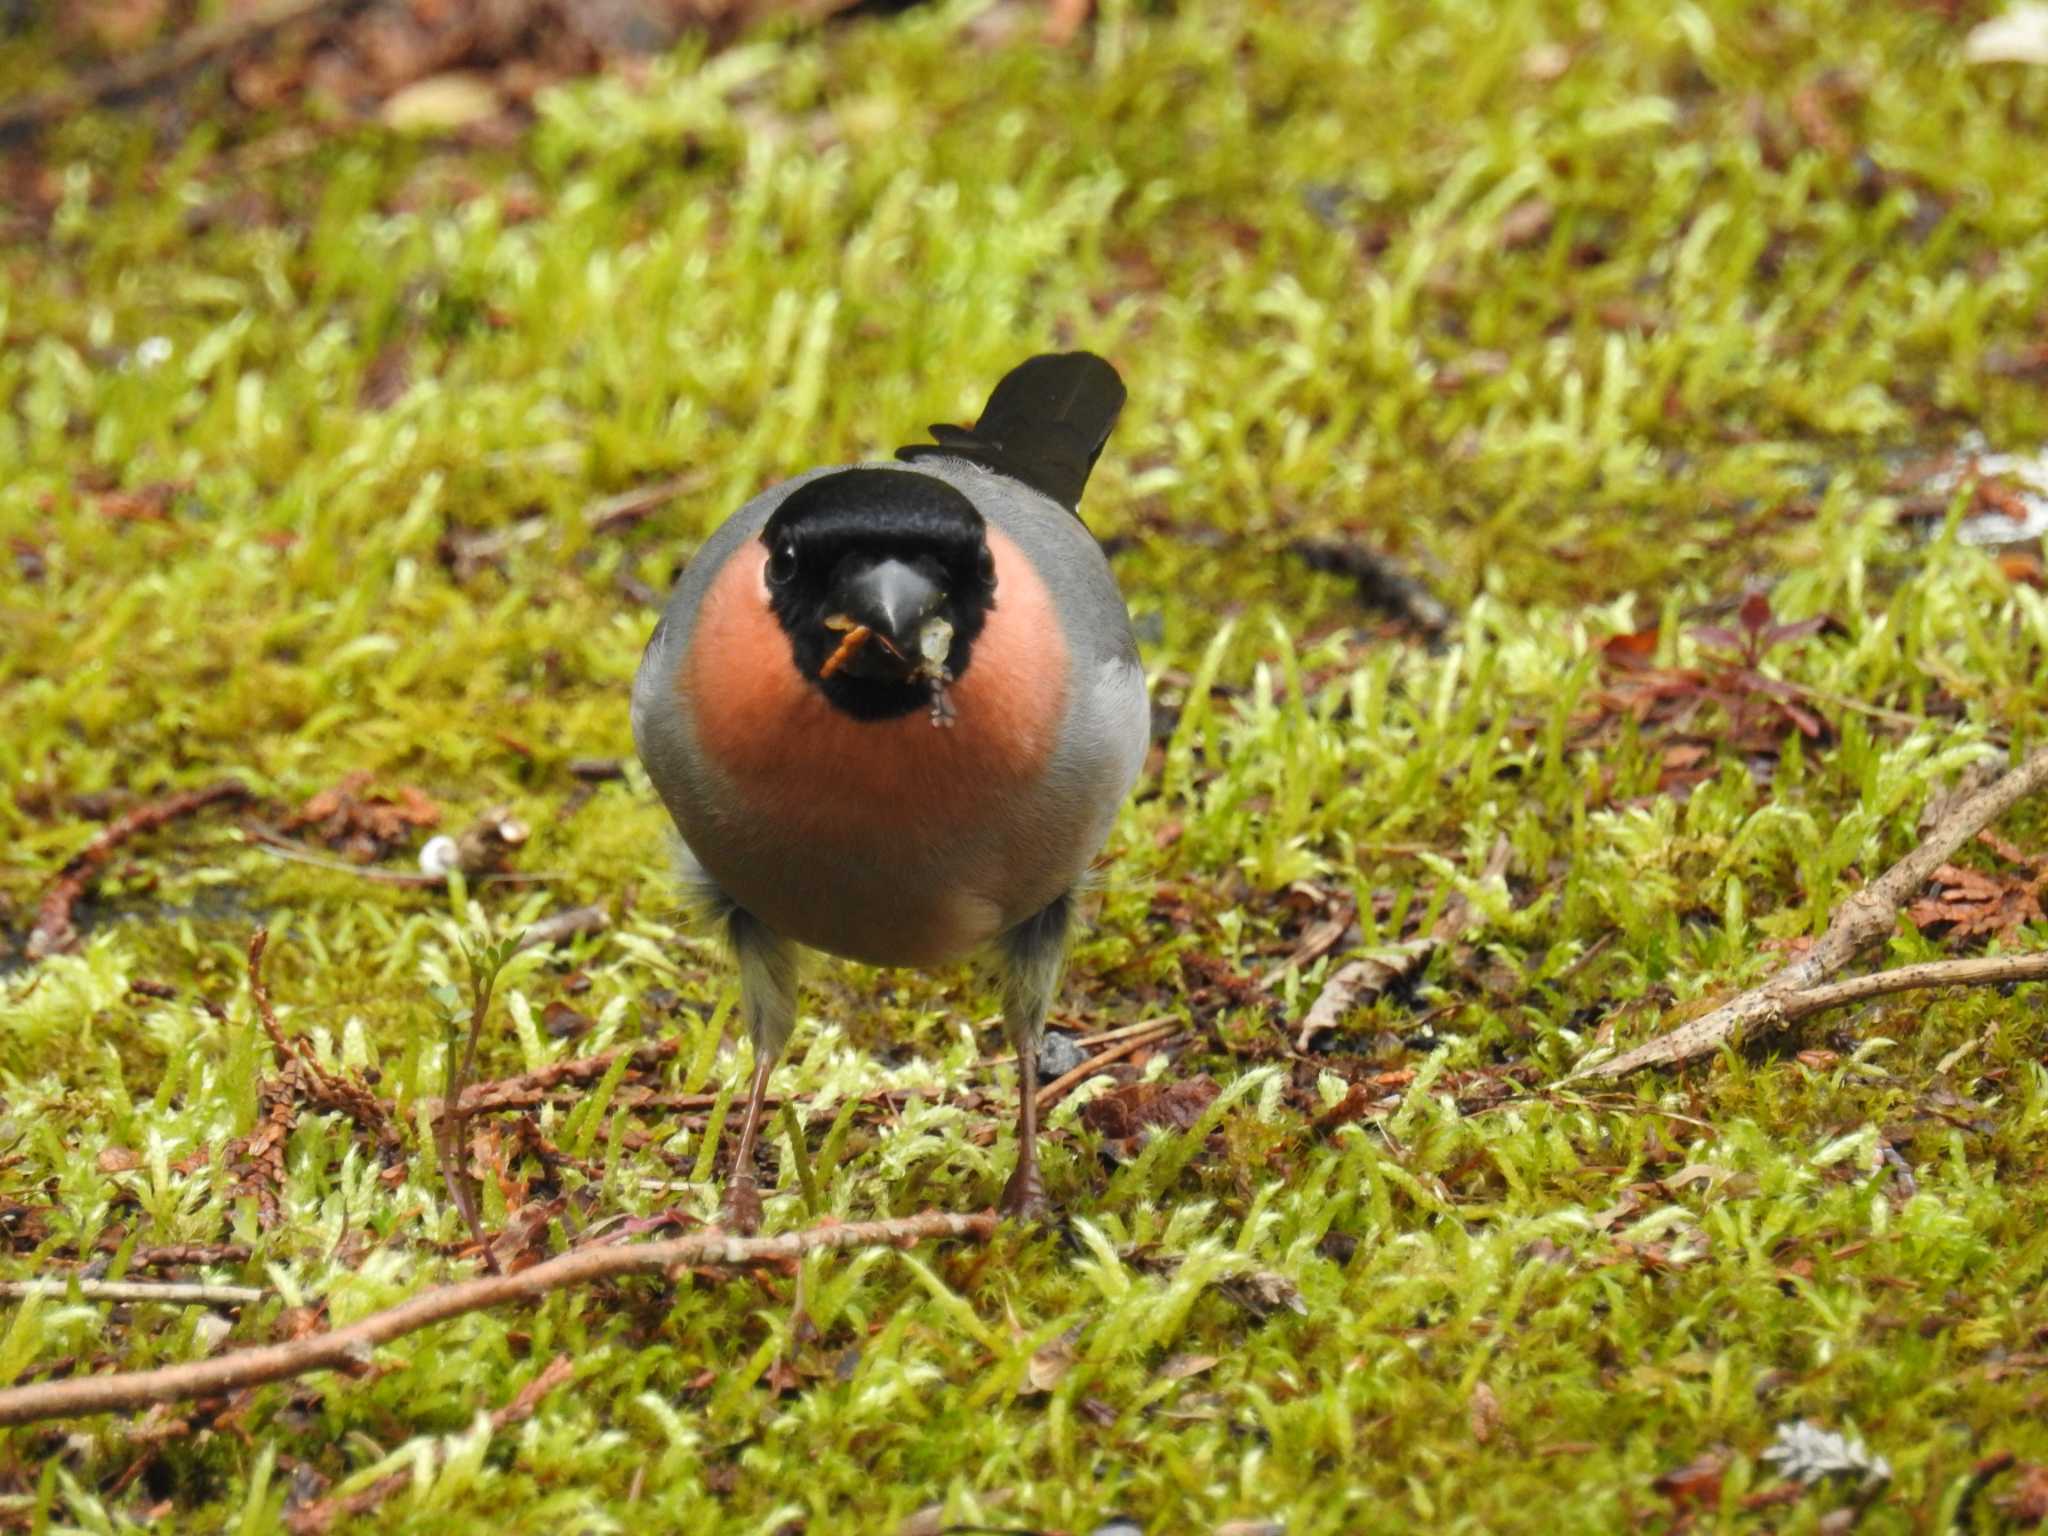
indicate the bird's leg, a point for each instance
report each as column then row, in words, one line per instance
column 742, row 1189
column 1034, row 953
column 1024, row 1194
column 768, row 1003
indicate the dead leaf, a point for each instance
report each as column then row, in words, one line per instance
column 1261, row 1292
column 119, row 1160
column 1180, row 1367
column 1051, row 1362
column 144, row 504
column 1638, row 645
column 1973, row 903
column 361, row 823
column 1359, row 982
column 1483, row 1412
column 2027, row 1504
column 1316, row 941
column 2022, row 566
column 441, row 102
column 1122, row 1113
column 1526, row 223
column 1697, row 1482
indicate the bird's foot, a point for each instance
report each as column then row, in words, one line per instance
column 1024, row 1196
column 742, row 1211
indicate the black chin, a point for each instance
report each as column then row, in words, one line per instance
column 875, row 698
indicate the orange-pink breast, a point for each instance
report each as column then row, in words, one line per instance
column 818, row 774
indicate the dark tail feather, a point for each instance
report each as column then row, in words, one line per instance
column 1044, row 425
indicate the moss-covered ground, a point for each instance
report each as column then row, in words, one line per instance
column 1594, row 318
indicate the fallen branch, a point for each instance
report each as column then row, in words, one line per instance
column 1796, row 990
column 350, row 1347
column 130, row 75
column 1989, row 971
column 315, row 1518
column 172, row 1292
column 54, row 932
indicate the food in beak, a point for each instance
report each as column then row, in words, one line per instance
column 857, row 635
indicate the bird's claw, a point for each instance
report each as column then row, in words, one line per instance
column 1024, row 1196
column 742, row 1206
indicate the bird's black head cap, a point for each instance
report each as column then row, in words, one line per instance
column 888, row 550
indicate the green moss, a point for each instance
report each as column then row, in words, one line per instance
column 1696, row 364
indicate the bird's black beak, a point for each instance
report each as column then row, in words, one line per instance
column 892, row 599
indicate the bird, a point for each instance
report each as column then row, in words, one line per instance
column 893, row 709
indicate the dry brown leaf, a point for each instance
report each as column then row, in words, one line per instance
column 1972, row 903
column 1697, row 1482
column 1483, row 1412
column 1123, row 1112
column 1358, row 982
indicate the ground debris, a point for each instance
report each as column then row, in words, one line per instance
column 1971, row 903
column 1382, row 584
column 54, row 931
column 1122, row 1114
column 364, row 824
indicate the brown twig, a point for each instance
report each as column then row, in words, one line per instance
column 1123, row 1032
column 1988, row 971
column 344, row 1348
column 315, row 1518
column 1796, row 989
column 1055, row 1090
column 277, row 845
column 530, row 1088
column 187, row 51
column 611, row 513
column 576, row 922
column 173, row 1292
column 54, row 932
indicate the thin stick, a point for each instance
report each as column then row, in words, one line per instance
column 343, row 1348
column 611, row 513
column 281, row 847
column 530, row 1088
column 1124, row 1032
column 1861, row 920
column 54, row 932
column 173, row 1292
column 1055, row 1090
column 560, row 926
column 187, row 51
column 1989, row 971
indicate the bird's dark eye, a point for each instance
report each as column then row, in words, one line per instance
column 782, row 563
column 987, row 567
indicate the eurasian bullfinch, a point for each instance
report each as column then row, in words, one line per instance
column 893, row 708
